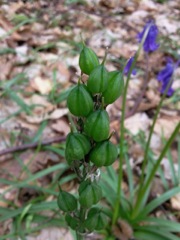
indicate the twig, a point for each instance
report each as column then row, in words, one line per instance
column 31, row 145
column 139, row 99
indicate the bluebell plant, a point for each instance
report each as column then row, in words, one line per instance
column 165, row 76
column 128, row 66
column 150, row 44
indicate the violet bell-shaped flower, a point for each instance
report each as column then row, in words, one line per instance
column 128, row 66
column 165, row 76
column 150, row 44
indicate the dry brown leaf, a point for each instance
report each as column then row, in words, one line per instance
column 139, row 121
column 168, row 26
column 166, row 126
column 12, row 8
column 7, row 27
column 5, row 67
column 62, row 74
column 56, row 114
column 42, row 85
column 175, row 202
column 22, row 54
column 166, row 168
column 61, row 126
column 53, row 233
column 44, row 107
column 152, row 96
column 148, row 5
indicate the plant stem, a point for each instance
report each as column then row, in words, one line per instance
column 143, row 89
column 141, row 184
column 79, row 236
column 151, row 176
column 82, row 216
column 121, row 156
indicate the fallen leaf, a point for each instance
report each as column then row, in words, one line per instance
column 61, row 126
column 168, row 26
column 175, row 202
column 166, row 126
column 166, row 168
column 139, row 121
column 21, row 53
column 52, row 233
column 42, row 85
column 56, row 114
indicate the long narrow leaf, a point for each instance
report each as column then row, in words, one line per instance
column 11, row 213
column 159, row 200
column 170, row 226
column 157, row 232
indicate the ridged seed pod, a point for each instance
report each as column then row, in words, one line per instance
column 72, row 221
column 98, row 80
column 66, row 202
column 89, row 193
column 88, row 60
column 79, row 101
column 97, row 125
column 96, row 220
column 77, row 146
column 115, row 87
column 103, row 154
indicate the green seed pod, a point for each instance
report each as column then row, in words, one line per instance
column 115, row 87
column 79, row 101
column 96, row 220
column 88, row 60
column 103, row 154
column 98, row 80
column 97, row 125
column 89, row 193
column 71, row 221
column 77, row 146
column 66, row 202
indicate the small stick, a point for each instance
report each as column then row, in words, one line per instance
column 31, row 145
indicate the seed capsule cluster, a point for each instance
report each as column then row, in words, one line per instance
column 90, row 147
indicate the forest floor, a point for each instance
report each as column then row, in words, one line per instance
column 39, row 46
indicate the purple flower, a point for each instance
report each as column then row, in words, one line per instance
column 150, row 44
column 128, row 66
column 165, row 76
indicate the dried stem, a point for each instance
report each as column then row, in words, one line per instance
column 31, row 145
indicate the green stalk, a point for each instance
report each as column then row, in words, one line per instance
column 79, row 236
column 121, row 144
column 141, row 184
column 104, row 59
column 82, row 216
column 151, row 176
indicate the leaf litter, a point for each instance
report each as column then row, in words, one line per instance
column 42, row 39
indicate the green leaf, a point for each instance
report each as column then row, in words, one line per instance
column 7, row 213
column 170, row 226
column 159, row 201
column 56, row 149
column 145, row 232
column 19, row 101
